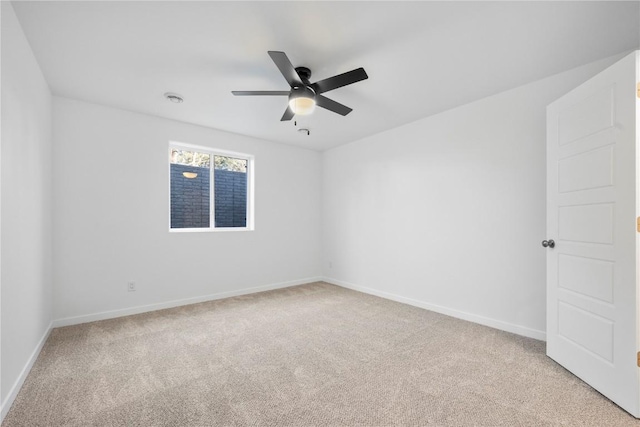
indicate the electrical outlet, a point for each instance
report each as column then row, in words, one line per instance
column 131, row 286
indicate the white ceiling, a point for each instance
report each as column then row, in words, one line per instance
column 422, row 57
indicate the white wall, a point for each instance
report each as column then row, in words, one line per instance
column 448, row 212
column 25, row 218
column 111, row 216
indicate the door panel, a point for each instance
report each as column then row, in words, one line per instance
column 587, row 116
column 586, row 276
column 591, row 210
column 591, row 332
column 592, row 223
column 592, row 169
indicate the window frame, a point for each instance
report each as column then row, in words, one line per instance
column 250, row 226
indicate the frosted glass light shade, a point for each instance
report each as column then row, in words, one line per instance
column 302, row 105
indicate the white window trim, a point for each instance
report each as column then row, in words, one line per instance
column 250, row 188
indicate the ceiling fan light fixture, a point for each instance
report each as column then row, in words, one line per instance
column 302, row 101
column 302, row 106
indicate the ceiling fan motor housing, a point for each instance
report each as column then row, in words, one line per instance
column 304, row 73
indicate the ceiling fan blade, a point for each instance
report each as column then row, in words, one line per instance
column 331, row 105
column 284, row 65
column 288, row 115
column 340, row 80
column 260, row 92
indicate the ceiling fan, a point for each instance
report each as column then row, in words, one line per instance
column 304, row 95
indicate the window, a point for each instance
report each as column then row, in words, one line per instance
column 210, row 189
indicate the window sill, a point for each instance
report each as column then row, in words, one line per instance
column 209, row 230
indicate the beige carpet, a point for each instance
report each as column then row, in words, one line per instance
column 312, row 355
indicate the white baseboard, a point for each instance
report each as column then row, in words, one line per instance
column 482, row 320
column 13, row 392
column 76, row 320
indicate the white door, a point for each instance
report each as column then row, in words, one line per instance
column 592, row 298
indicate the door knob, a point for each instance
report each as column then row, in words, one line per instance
column 549, row 244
